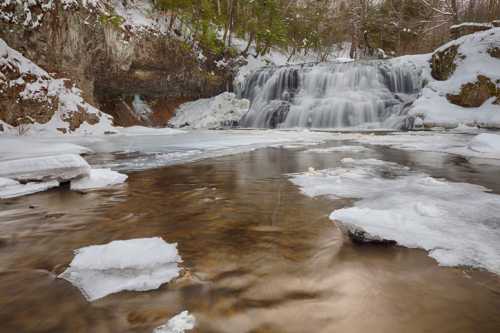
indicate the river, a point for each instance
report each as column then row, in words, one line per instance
column 259, row 255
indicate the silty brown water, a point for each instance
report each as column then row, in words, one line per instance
column 259, row 255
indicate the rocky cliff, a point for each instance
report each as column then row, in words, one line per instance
column 117, row 52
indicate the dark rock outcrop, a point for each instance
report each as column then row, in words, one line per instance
column 443, row 63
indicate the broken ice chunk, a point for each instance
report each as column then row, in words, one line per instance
column 136, row 264
column 98, row 178
column 178, row 324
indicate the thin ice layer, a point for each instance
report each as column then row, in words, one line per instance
column 47, row 168
column 456, row 222
column 98, row 178
column 181, row 322
column 136, row 264
column 11, row 189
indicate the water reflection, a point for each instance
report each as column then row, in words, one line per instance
column 260, row 256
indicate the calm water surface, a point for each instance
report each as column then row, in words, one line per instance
column 259, row 256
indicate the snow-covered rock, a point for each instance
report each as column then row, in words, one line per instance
column 98, row 178
column 456, row 222
column 472, row 62
column 47, row 168
column 224, row 110
column 137, row 265
column 39, row 103
column 180, row 323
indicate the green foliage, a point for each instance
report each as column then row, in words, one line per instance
column 114, row 20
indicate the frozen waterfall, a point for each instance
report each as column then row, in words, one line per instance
column 330, row 95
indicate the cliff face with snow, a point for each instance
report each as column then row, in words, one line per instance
column 114, row 51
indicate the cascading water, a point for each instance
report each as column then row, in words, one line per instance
column 330, row 95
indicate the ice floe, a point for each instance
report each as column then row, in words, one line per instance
column 98, row 178
column 47, row 168
column 10, row 188
column 456, row 222
column 180, row 323
column 137, row 264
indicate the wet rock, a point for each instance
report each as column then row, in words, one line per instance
column 360, row 236
column 443, row 63
column 475, row 94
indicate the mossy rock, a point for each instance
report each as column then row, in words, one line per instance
column 443, row 63
column 475, row 94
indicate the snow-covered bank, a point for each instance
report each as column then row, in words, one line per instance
column 456, row 222
column 39, row 103
column 224, row 110
column 136, row 265
column 179, row 323
column 472, row 60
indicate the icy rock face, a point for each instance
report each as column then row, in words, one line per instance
column 224, row 110
column 47, row 168
column 137, row 264
column 98, row 178
column 456, row 222
column 332, row 95
column 180, row 323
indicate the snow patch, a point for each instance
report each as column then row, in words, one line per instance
column 137, row 264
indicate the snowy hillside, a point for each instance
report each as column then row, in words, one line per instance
column 466, row 84
column 35, row 102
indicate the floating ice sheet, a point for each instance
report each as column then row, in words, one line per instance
column 456, row 222
column 46, row 168
column 98, row 178
column 11, row 189
column 136, row 264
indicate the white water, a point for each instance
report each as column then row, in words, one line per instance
column 330, row 95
